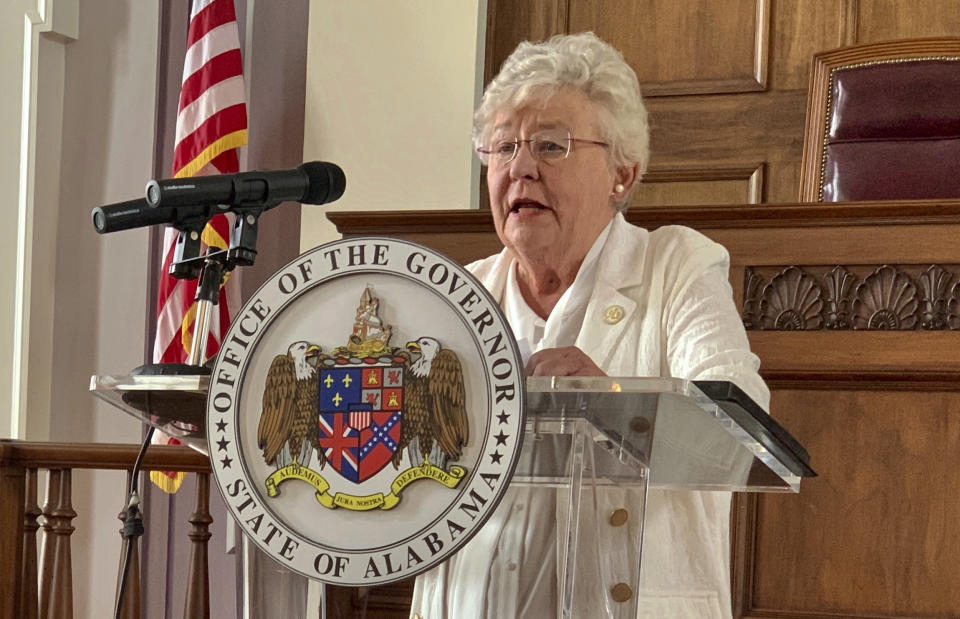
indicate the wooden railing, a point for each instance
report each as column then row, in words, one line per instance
column 40, row 586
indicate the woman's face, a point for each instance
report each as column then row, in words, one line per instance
column 551, row 210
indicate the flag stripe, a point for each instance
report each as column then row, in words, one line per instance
column 230, row 141
column 220, row 67
column 214, row 43
column 216, row 232
column 217, row 13
column 227, row 160
column 222, row 95
column 198, row 5
column 229, row 126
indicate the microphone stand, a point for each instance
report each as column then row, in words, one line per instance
column 211, row 269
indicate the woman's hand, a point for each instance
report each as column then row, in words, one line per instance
column 566, row 361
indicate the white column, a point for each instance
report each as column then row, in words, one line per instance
column 33, row 34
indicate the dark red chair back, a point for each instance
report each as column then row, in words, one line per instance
column 883, row 123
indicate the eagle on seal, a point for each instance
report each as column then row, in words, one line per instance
column 288, row 422
column 434, row 414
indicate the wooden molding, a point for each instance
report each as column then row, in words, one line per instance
column 751, row 173
column 489, row 46
column 849, row 22
column 818, row 98
column 863, row 381
column 761, row 43
column 671, row 174
column 100, row 456
column 562, row 8
column 813, row 215
column 902, row 297
column 786, row 614
column 743, row 526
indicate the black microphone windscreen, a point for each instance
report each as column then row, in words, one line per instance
column 128, row 215
column 326, row 182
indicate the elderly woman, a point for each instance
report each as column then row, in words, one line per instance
column 563, row 132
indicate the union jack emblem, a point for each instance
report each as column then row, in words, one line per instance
column 361, row 415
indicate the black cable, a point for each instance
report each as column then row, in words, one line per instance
column 133, row 523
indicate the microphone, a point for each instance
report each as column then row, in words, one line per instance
column 137, row 213
column 316, row 182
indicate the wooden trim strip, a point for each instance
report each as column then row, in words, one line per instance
column 720, row 172
column 700, row 87
column 862, row 381
column 792, row 215
column 100, row 456
column 761, row 43
column 849, row 23
column 799, row 614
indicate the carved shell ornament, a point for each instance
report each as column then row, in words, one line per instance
column 791, row 301
column 937, row 299
column 838, row 284
column 887, row 299
column 953, row 313
column 752, row 290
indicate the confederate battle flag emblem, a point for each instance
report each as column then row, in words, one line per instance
column 361, row 417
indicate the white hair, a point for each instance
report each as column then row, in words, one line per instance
column 536, row 71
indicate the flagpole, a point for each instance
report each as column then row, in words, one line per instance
column 200, row 331
column 208, row 293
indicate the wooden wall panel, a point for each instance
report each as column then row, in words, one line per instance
column 697, row 48
column 885, row 20
column 799, row 29
column 710, row 131
column 510, row 22
column 875, row 533
column 684, row 46
column 694, row 130
column 738, row 184
column 782, row 181
column 682, row 192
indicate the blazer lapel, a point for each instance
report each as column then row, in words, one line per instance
column 610, row 309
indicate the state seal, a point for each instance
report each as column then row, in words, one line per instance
column 366, row 411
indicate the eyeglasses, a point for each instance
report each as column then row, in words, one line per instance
column 547, row 146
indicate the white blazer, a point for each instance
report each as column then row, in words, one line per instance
column 677, row 318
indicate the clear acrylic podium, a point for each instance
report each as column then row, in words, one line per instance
column 583, row 436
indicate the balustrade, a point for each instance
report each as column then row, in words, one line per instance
column 43, row 589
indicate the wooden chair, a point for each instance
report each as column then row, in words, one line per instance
column 883, row 122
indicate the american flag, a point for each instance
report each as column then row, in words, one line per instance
column 211, row 126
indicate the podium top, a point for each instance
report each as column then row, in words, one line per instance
column 705, row 435
column 687, row 434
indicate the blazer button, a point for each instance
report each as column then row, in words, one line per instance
column 619, row 517
column 621, row 592
column 613, row 314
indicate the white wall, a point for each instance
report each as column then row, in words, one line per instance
column 78, row 102
column 107, row 156
column 391, row 88
column 31, row 71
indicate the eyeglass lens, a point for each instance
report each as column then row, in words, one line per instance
column 544, row 146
